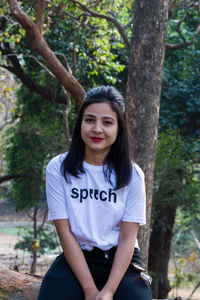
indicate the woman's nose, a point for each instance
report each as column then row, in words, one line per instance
column 97, row 127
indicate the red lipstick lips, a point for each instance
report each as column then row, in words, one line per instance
column 96, row 139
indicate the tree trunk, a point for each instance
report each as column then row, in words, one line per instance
column 143, row 92
column 35, row 242
column 159, row 250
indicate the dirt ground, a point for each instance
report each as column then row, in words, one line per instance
column 10, row 218
column 8, row 253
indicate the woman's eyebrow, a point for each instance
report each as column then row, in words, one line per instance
column 108, row 117
column 93, row 116
column 89, row 115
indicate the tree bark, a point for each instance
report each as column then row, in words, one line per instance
column 143, row 92
column 14, row 285
column 9, row 177
column 159, row 250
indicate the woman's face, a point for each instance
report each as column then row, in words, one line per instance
column 99, row 129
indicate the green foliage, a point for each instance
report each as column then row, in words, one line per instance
column 180, row 102
column 92, row 47
column 36, row 134
column 176, row 171
column 180, row 98
column 183, row 243
column 47, row 241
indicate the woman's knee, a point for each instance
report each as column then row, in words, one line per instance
column 60, row 283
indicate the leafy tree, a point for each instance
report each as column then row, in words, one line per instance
column 146, row 52
column 180, row 110
column 37, row 133
column 176, row 185
column 47, row 241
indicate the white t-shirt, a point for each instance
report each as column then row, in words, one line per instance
column 93, row 208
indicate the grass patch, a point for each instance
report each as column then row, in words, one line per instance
column 10, row 230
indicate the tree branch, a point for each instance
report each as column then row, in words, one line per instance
column 39, row 15
column 9, row 177
column 197, row 241
column 38, row 44
column 27, row 81
column 181, row 21
column 194, row 290
column 76, row 41
column 108, row 18
column 66, row 123
column 43, row 221
column 128, row 24
column 184, row 45
column 29, row 215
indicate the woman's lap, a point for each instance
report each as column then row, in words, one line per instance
column 60, row 283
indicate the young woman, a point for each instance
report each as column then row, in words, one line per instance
column 96, row 199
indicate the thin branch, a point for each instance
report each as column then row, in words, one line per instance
column 197, row 241
column 108, row 18
column 172, row 4
column 66, row 61
column 194, row 290
column 128, row 24
column 95, row 3
column 5, row 124
column 76, row 41
column 39, row 14
column 75, row 19
column 184, row 45
column 43, row 221
column 182, row 20
column 33, row 57
column 25, row 79
column 66, row 114
column 10, row 20
column 29, row 215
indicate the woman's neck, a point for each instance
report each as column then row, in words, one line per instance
column 96, row 159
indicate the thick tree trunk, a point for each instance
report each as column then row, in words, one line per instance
column 159, row 250
column 143, row 92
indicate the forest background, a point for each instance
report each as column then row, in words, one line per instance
column 94, row 41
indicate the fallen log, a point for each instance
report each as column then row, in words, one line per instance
column 18, row 286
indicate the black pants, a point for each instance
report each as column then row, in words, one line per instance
column 60, row 283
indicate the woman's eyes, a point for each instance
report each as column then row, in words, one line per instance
column 107, row 123
column 90, row 120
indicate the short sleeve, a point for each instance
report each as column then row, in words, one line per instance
column 135, row 207
column 55, row 191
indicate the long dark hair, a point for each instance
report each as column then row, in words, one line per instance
column 118, row 158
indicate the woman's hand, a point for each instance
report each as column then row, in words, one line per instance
column 90, row 295
column 104, row 295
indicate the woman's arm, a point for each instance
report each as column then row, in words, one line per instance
column 75, row 258
column 124, row 253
